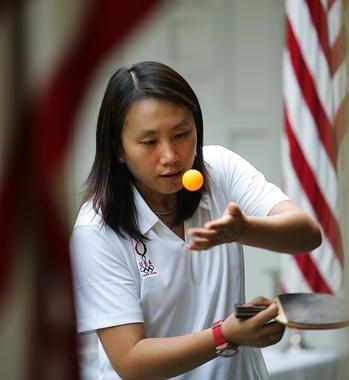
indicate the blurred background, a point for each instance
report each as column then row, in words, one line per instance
column 55, row 60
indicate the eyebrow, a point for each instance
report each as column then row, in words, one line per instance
column 152, row 132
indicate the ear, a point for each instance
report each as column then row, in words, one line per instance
column 120, row 155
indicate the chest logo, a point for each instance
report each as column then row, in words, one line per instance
column 145, row 266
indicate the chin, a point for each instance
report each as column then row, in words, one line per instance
column 170, row 190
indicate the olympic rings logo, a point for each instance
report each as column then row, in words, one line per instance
column 147, row 269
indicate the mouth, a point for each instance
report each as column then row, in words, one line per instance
column 172, row 175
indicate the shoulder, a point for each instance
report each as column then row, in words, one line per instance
column 214, row 153
column 220, row 164
column 239, row 181
column 221, row 160
column 217, row 156
column 223, row 164
column 88, row 216
column 91, row 237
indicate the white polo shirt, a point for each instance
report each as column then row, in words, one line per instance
column 171, row 290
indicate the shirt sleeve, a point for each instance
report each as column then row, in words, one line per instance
column 105, row 291
column 247, row 186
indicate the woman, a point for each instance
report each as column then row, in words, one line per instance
column 157, row 268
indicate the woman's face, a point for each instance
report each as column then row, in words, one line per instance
column 158, row 145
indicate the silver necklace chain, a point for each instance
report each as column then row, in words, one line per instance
column 168, row 212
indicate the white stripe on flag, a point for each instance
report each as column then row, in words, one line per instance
column 340, row 85
column 334, row 21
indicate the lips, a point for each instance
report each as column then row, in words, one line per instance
column 176, row 174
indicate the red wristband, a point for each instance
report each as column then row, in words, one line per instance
column 223, row 348
column 217, row 333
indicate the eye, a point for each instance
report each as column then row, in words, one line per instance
column 181, row 134
column 148, row 142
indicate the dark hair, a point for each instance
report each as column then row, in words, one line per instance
column 109, row 184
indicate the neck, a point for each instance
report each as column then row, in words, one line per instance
column 161, row 204
column 165, row 212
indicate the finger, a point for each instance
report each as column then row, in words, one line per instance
column 233, row 209
column 266, row 315
column 199, row 245
column 271, row 333
column 202, row 233
column 273, row 339
column 261, row 301
column 279, row 336
column 273, row 328
column 218, row 223
column 275, row 335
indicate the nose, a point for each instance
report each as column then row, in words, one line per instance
column 168, row 154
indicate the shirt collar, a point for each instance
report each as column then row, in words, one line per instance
column 205, row 202
column 147, row 218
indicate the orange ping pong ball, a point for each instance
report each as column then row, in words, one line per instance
column 192, row 180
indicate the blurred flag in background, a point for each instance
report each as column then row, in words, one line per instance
column 50, row 50
column 315, row 88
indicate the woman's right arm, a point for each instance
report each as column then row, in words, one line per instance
column 135, row 356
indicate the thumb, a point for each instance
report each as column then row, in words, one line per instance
column 267, row 315
column 233, row 209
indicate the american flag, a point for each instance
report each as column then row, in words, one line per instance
column 315, row 89
column 53, row 50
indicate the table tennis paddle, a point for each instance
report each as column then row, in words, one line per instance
column 304, row 311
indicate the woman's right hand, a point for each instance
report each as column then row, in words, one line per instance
column 258, row 331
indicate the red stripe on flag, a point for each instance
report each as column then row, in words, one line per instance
column 319, row 18
column 330, row 3
column 341, row 121
column 311, row 273
column 306, row 83
column 337, row 54
column 313, row 192
column 8, row 198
